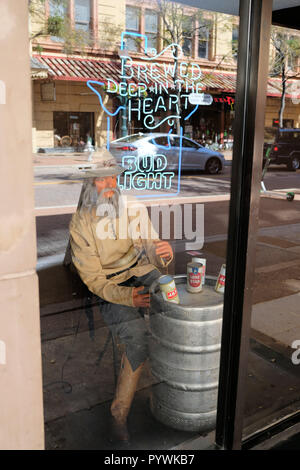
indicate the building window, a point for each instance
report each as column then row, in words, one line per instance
column 151, row 28
column 286, row 55
column 57, row 8
column 235, row 39
column 79, row 12
column 294, row 52
column 132, row 26
column 203, row 40
column 187, row 35
column 82, row 14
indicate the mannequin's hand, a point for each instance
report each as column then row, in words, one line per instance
column 163, row 249
column 140, row 300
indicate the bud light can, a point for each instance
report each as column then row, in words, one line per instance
column 220, row 284
column 194, row 277
column 168, row 289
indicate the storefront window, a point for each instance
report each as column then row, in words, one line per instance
column 167, row 121
column 147, row 100
column 72, row 129
column 57, row 8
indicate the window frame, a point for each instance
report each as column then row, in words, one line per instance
column 207, row 27
column 195, row 37
column 147, row 33
column 70, row 13
column 138, row 31
column 189, row 37
column 89, row 23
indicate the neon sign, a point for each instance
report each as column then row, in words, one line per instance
column 136, row 79
column 146, row 173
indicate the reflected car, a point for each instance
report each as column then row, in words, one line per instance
column 193, row 156
column 284, row 147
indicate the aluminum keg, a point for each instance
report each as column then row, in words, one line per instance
column 184, row 349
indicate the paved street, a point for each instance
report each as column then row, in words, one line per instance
column 55, row 188
column 59, row 187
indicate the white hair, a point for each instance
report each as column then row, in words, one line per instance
column 105, row 206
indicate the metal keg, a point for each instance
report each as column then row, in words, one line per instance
column 184, row 348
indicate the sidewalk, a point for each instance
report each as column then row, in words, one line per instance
column 71, row 159
column 63, row 159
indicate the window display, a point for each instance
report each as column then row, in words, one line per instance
column 134, row 155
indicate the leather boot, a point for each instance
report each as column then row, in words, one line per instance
column 125, row 390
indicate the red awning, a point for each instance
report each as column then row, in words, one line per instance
column 79, row 69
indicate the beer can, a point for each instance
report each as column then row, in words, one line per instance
column 220, row 284
column 203, row 262
column 194, row 277
column 168, row 289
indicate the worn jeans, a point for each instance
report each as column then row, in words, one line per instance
column 128, row 322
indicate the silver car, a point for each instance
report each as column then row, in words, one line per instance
column 193, row 156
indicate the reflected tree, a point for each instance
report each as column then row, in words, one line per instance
column 284, row 62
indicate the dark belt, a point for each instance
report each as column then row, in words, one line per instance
column 109, row 276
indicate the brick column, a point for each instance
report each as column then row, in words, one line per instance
column 21, row 405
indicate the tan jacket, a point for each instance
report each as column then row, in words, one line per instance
column 96, row 256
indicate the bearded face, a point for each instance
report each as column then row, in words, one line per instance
column 106, row 206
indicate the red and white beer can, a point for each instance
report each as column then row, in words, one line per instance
column 168, row 289
column 220, row 284
column 194, row 277
column 203, row 262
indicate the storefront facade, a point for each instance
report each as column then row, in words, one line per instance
column 216, row 57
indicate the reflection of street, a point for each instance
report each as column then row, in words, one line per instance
column 56, row 197
column 54, row 187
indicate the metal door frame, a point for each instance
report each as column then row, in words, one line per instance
column 252, row 74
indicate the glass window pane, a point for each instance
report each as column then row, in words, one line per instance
column 203, row 38
column 57, row 8
column 151, row 21
column 131, row 44
column 189, row 144
column 235, row 35
column 132, row 18
column 273, row 378
column 82, row 14
column 187, row 46
column 152, row 41
column 139, row 110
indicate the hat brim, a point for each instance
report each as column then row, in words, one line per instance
column 99, row 173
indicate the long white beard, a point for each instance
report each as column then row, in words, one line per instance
column 111, row 207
